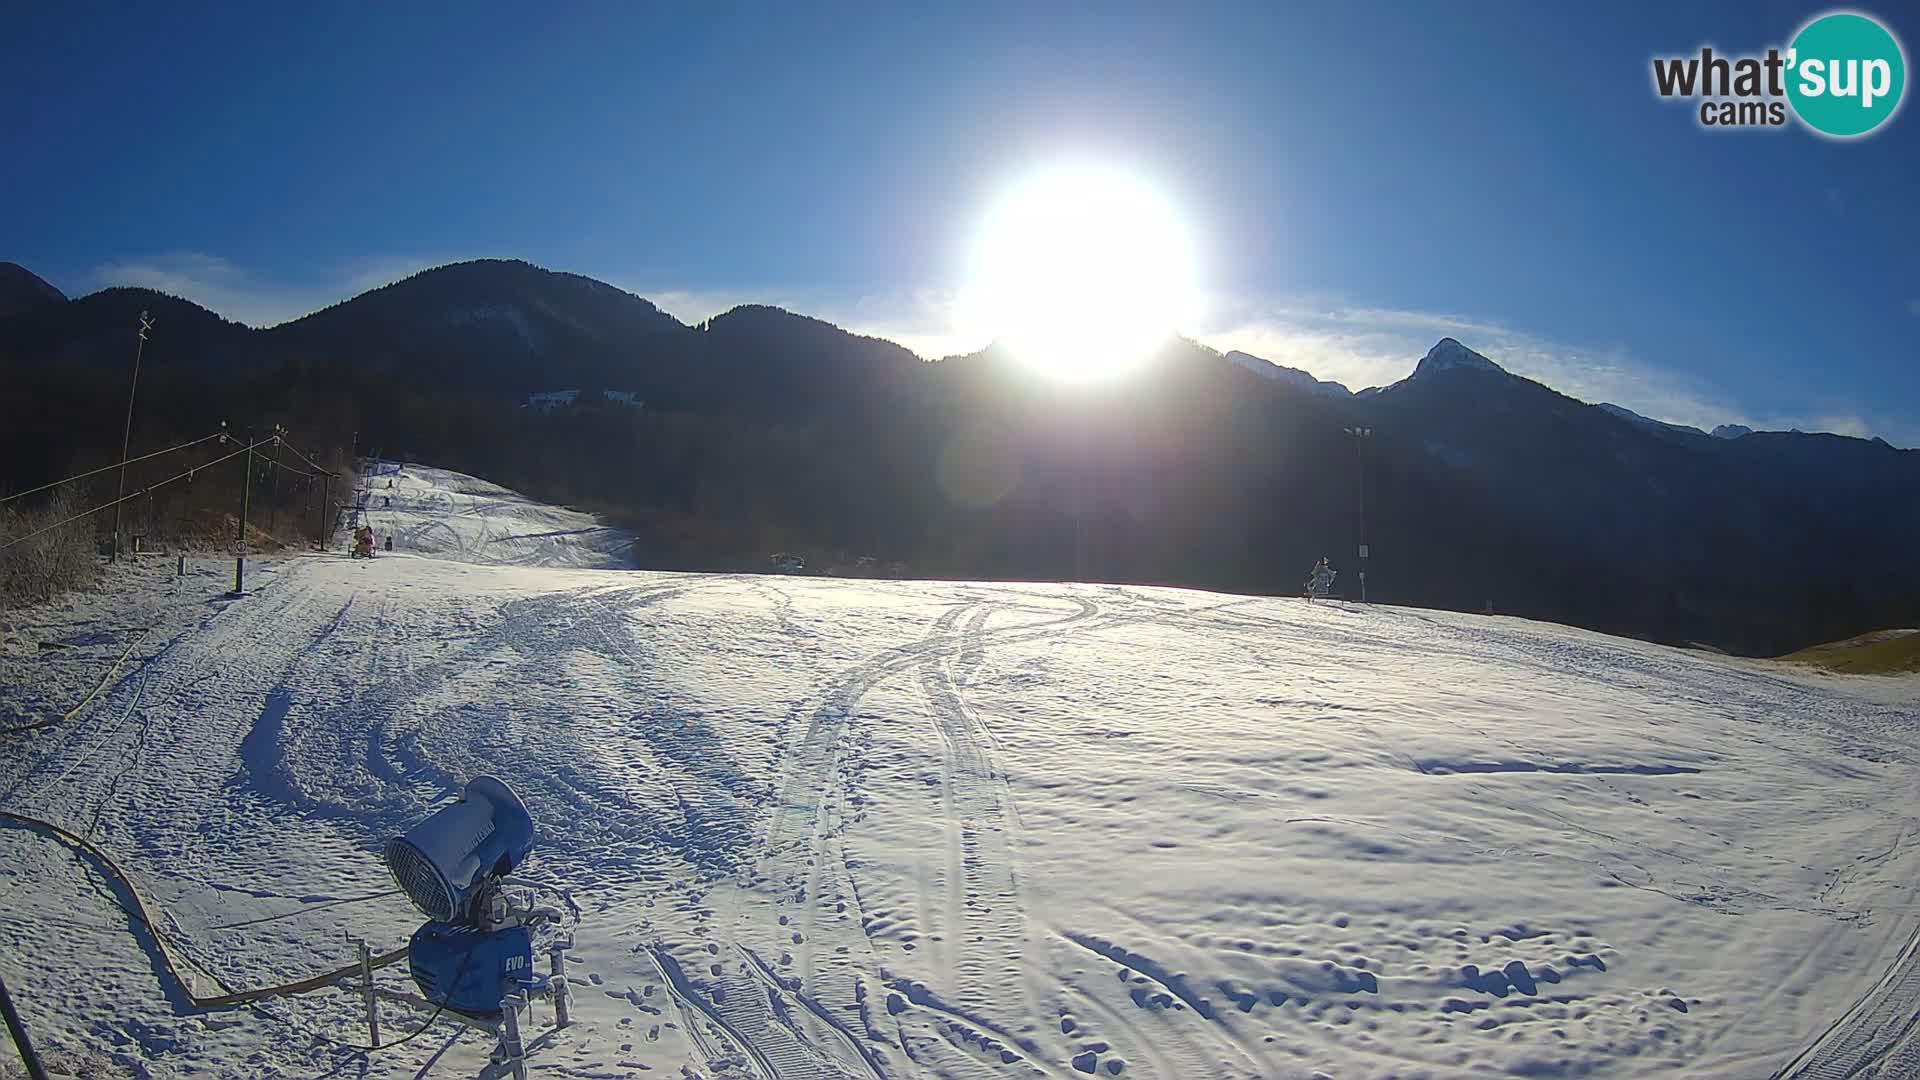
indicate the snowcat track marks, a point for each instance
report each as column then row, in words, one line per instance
column 1877, row 1035
column 770, row 980
column 810, row 785
column 742, row 1011
column 985, row 925
column 1175, row 987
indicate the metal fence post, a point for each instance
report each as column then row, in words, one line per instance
column 366, row 986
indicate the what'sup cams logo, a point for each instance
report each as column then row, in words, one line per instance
column 1843, row 76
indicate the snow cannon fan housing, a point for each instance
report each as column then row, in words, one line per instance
column 446, row 861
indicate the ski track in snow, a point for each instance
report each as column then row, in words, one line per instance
column 851, row 830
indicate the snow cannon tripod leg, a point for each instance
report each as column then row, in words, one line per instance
column 513, row 1050
column 562, row 995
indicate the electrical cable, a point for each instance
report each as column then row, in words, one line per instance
column 315, row 466
column 289, row 468
column 115, row 465
column 307, row 910
column 132, row 495
column 361, row 1053
column 367, row 1052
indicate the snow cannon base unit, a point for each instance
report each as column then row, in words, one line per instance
column 474, row 956
column 444, row 863
column 469, row 970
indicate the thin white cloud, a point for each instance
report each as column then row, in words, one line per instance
column 923, row 322
column 927, row 322
column 1913, row 307
column 694, row 306
column 1843, row 424
column 1362, row 346
column 249, row 296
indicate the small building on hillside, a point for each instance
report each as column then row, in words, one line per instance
column 551, row 400
column 569, row 401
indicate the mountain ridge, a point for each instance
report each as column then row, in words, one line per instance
column 766, row 430
column 309, row 333
column 23, row 290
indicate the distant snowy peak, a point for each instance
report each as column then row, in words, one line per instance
column 1267, row 369
column 1731, row 431
column 1647, row 421
column 1450, row 355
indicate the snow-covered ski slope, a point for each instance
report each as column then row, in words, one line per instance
column 850, row 829
column 450, row 515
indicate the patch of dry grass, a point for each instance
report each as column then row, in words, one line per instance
column 52, row 562
column 1883, row 652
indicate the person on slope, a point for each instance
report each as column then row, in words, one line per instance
column 1320, row 583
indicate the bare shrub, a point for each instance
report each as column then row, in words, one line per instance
column 51, row 562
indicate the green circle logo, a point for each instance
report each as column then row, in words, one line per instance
column 1845, row 74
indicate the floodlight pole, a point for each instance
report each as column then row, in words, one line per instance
column 1360, row 437
column 126, row 434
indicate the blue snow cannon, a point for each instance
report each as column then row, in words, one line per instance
column 468, row 969
column 444, row 863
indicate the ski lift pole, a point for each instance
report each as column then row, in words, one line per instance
column 273, row 499
column 323, row 524
column 126, row 431
column 18, row 1030
column 246, row 500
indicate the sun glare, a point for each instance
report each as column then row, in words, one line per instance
column 1081, row 272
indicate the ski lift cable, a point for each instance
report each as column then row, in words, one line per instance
column 130, row 496
column 115, row 465
column 315, row 466
column 287, row 467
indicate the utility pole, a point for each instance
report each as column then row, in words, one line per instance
column 323, row 526
column 1080, row 493
column 1360, row 437
column 273, row 500
column 246, row 500
column 126, row 433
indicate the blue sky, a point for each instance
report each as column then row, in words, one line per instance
column 1360, row 180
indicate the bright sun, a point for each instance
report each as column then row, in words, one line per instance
column 1081, row 272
